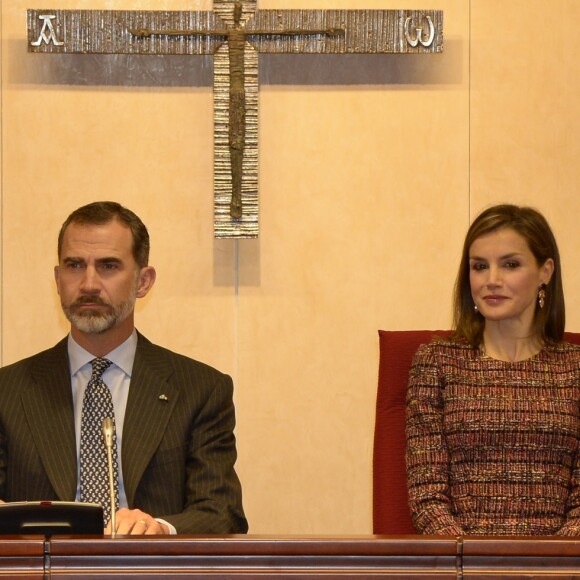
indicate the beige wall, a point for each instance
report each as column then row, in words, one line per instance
column 370, row 170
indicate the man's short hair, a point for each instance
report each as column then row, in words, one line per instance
column 102, row 212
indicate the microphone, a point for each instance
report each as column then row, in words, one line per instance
column 109, row 435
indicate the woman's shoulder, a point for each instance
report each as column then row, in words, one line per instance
column 440, row 346
column 563, row 349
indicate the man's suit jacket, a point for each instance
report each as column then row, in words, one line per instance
column 178, row 442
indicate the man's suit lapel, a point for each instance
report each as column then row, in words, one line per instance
column 151, row 401
column 49, row 409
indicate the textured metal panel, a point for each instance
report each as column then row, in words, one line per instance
column 224, row 226
column 365, row 31
column 108, row 32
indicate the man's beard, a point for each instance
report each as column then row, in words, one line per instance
column 95, row 322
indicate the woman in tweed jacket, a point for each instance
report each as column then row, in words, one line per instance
column 493, row 418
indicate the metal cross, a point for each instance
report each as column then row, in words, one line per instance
column 235, row 32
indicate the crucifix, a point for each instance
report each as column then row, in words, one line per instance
column 235, row 32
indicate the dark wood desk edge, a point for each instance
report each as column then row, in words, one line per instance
column 257, row 544
column 22, row 546
column 521, row 545
column 309, row 544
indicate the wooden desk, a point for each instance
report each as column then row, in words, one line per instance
column 22, row 556
column 251, row 556
column 550, row 557
column 469, row 558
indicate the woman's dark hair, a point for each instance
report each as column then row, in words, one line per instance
column 529, row 223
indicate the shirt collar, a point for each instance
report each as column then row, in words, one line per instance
column 123, row 356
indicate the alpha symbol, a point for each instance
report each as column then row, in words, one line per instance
column 47, row 33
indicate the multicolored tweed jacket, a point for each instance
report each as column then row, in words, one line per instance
column 492, row 446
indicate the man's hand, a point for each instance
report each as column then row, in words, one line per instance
column 136, row 523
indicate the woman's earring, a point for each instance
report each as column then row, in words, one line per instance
column 542, row 296
column 475, row 308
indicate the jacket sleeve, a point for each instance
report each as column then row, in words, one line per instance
column 427, row 456
column 213, row 502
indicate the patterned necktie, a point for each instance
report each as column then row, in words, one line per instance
column 97, row 405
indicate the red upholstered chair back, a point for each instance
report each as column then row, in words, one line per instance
column 390, row 499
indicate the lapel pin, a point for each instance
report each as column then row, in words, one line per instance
column 163, row 398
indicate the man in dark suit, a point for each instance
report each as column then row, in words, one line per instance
column 174, row 416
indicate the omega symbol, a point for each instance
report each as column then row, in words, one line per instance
column 418, row 36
